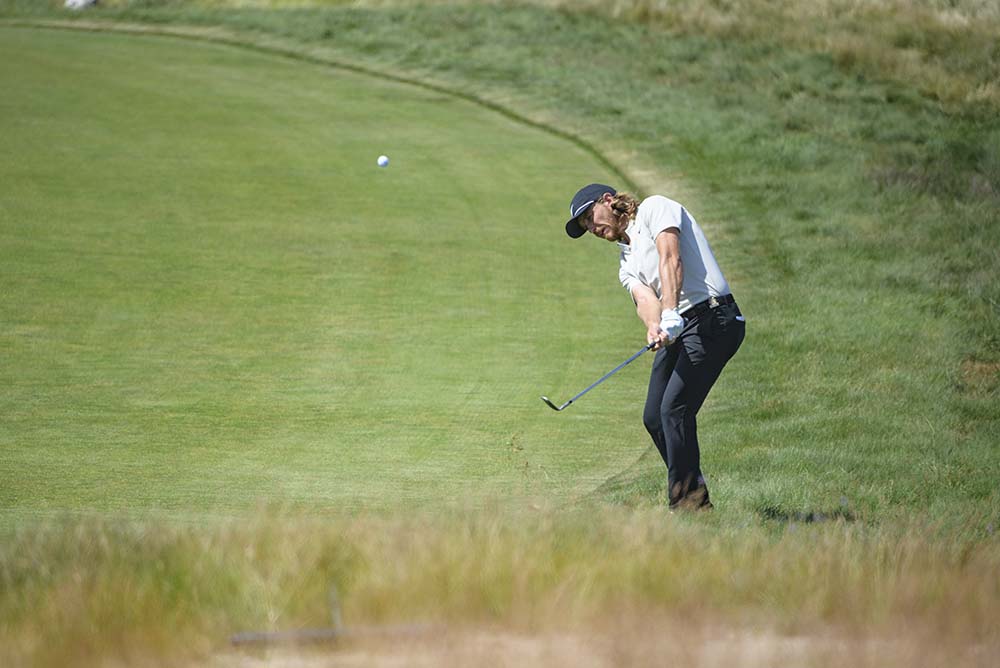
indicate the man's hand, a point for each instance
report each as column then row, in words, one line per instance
column 657, row 337
column 671, row 324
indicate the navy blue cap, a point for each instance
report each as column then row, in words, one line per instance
column 582, row 201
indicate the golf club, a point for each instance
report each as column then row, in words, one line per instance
column 601, row 380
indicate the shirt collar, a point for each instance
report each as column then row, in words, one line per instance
column 630, row 231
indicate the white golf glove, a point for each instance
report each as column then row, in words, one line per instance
column 671, row 324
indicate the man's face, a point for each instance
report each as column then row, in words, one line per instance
column 600, row 221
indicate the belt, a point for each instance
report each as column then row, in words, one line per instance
column 708, row 304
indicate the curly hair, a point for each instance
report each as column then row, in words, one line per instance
column 624, row 207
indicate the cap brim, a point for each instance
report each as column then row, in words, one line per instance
column 574, row 230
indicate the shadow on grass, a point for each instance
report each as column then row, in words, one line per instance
column 774, row 513
column 643, row 483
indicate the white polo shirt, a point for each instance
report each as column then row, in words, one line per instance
column 640, row 259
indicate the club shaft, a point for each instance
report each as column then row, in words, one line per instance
column 611, row 373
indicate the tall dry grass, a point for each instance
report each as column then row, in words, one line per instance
column 89, row 591
column 947, row 49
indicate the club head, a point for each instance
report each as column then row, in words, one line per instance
column 553, row 406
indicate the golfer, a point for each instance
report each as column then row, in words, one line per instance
column 690, row 316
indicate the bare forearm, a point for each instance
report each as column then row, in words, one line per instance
column 671, row 278
column 648, row 310
column 647, row 306
column 671, row 270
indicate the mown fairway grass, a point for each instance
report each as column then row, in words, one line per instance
column 192, row 328
column 214, row 297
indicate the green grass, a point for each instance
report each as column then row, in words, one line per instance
column 191, row 327
column 215, row 297
column 855, row 218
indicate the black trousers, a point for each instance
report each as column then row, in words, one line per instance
column 683, row 373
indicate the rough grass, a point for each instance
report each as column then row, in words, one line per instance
column 98, row 589
column 946, row 50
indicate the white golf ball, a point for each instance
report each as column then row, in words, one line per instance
column 383, row 161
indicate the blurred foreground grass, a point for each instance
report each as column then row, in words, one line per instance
column 93, row 590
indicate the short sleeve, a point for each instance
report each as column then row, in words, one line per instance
column 659, row 213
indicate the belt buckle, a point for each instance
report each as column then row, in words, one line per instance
column 713, row 302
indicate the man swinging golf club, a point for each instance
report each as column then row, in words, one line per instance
column 691, row 318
